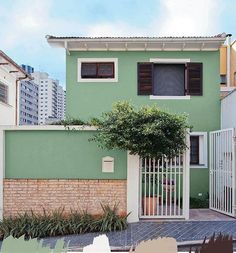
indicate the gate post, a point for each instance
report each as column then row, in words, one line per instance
column 133, row 187
column 186, row 178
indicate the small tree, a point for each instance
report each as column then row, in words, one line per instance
column 148, row 132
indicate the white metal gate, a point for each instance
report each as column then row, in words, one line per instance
column 222, row 171
column 164, row 187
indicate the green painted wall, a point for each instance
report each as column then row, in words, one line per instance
column 86, row 100
column 58, row 154
column 68, row 154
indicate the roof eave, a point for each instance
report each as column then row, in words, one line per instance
column 106, row 44
column 14, row 67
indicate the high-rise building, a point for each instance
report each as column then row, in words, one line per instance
column 27, row 68
column 60, row 103
column 28, row 102
column 51, row 102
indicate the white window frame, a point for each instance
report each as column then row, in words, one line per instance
column 203, row 152
column 6, row 85
column 95, row 80
column 169, row 61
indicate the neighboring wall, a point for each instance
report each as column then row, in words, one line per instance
column 233, row 64
column 228, row 105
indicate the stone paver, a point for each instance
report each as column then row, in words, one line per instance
column 137, row 232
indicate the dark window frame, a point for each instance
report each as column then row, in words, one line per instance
column 197, row 139
column 4, row 99
column 97, row 75
column 193, row 78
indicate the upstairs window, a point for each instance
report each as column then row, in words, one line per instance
column 170, row 79
column 97, row 70
column 223, row 79
column 3, row 93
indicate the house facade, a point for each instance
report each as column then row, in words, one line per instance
column 179, row 75
column 10, row 75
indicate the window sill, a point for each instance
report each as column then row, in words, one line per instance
column 169, row 97
column 98, row 80
column 202, row 166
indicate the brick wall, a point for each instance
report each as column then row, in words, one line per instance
column 22, row 195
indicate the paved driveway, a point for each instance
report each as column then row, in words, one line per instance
column 137, row 232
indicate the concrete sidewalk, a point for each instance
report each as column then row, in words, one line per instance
column 137, row 232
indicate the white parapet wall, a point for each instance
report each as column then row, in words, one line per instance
column 228, row 111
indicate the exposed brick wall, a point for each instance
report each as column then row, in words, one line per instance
column 23, row 195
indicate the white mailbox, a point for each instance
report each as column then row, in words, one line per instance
column 108, row 164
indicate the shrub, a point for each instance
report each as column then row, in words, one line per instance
column 59, row 223
column 69, row 122
column 202, row 202
column 148, row 132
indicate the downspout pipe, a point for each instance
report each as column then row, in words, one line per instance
column 228, row 64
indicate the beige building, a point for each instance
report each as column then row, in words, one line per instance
column 10, row 76
column 228, row 67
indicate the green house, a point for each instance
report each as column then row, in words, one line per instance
column 178, row 74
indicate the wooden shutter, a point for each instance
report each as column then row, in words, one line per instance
column 194, row 79
column 145, row 78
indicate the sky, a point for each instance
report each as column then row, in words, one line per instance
column 25, row 23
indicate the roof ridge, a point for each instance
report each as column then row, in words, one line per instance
column 220, row 35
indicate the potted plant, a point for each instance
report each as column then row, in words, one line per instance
column 168, row 186
column 152, row 200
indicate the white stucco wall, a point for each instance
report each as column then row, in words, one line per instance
column 228, row 111
column 7, row 111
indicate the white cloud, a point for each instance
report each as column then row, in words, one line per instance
column 176, row 18
column 26, row 24
column 187, row 17
column 113, row 29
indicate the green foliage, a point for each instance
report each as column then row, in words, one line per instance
column 202, row 202
column 58, row 223
column 148, row 132
column 69, row 122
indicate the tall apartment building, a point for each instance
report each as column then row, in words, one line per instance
column 61, row 100
column 51, row 102
column 28, row 102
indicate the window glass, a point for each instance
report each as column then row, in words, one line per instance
column 3, row 93
column 222, row 79
column 97, row 70
column 169, row 80
column 194, row 149
column 88, row 70
column 106, row 70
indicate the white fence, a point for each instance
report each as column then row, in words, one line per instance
column 164, row 187
column 222, row 171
